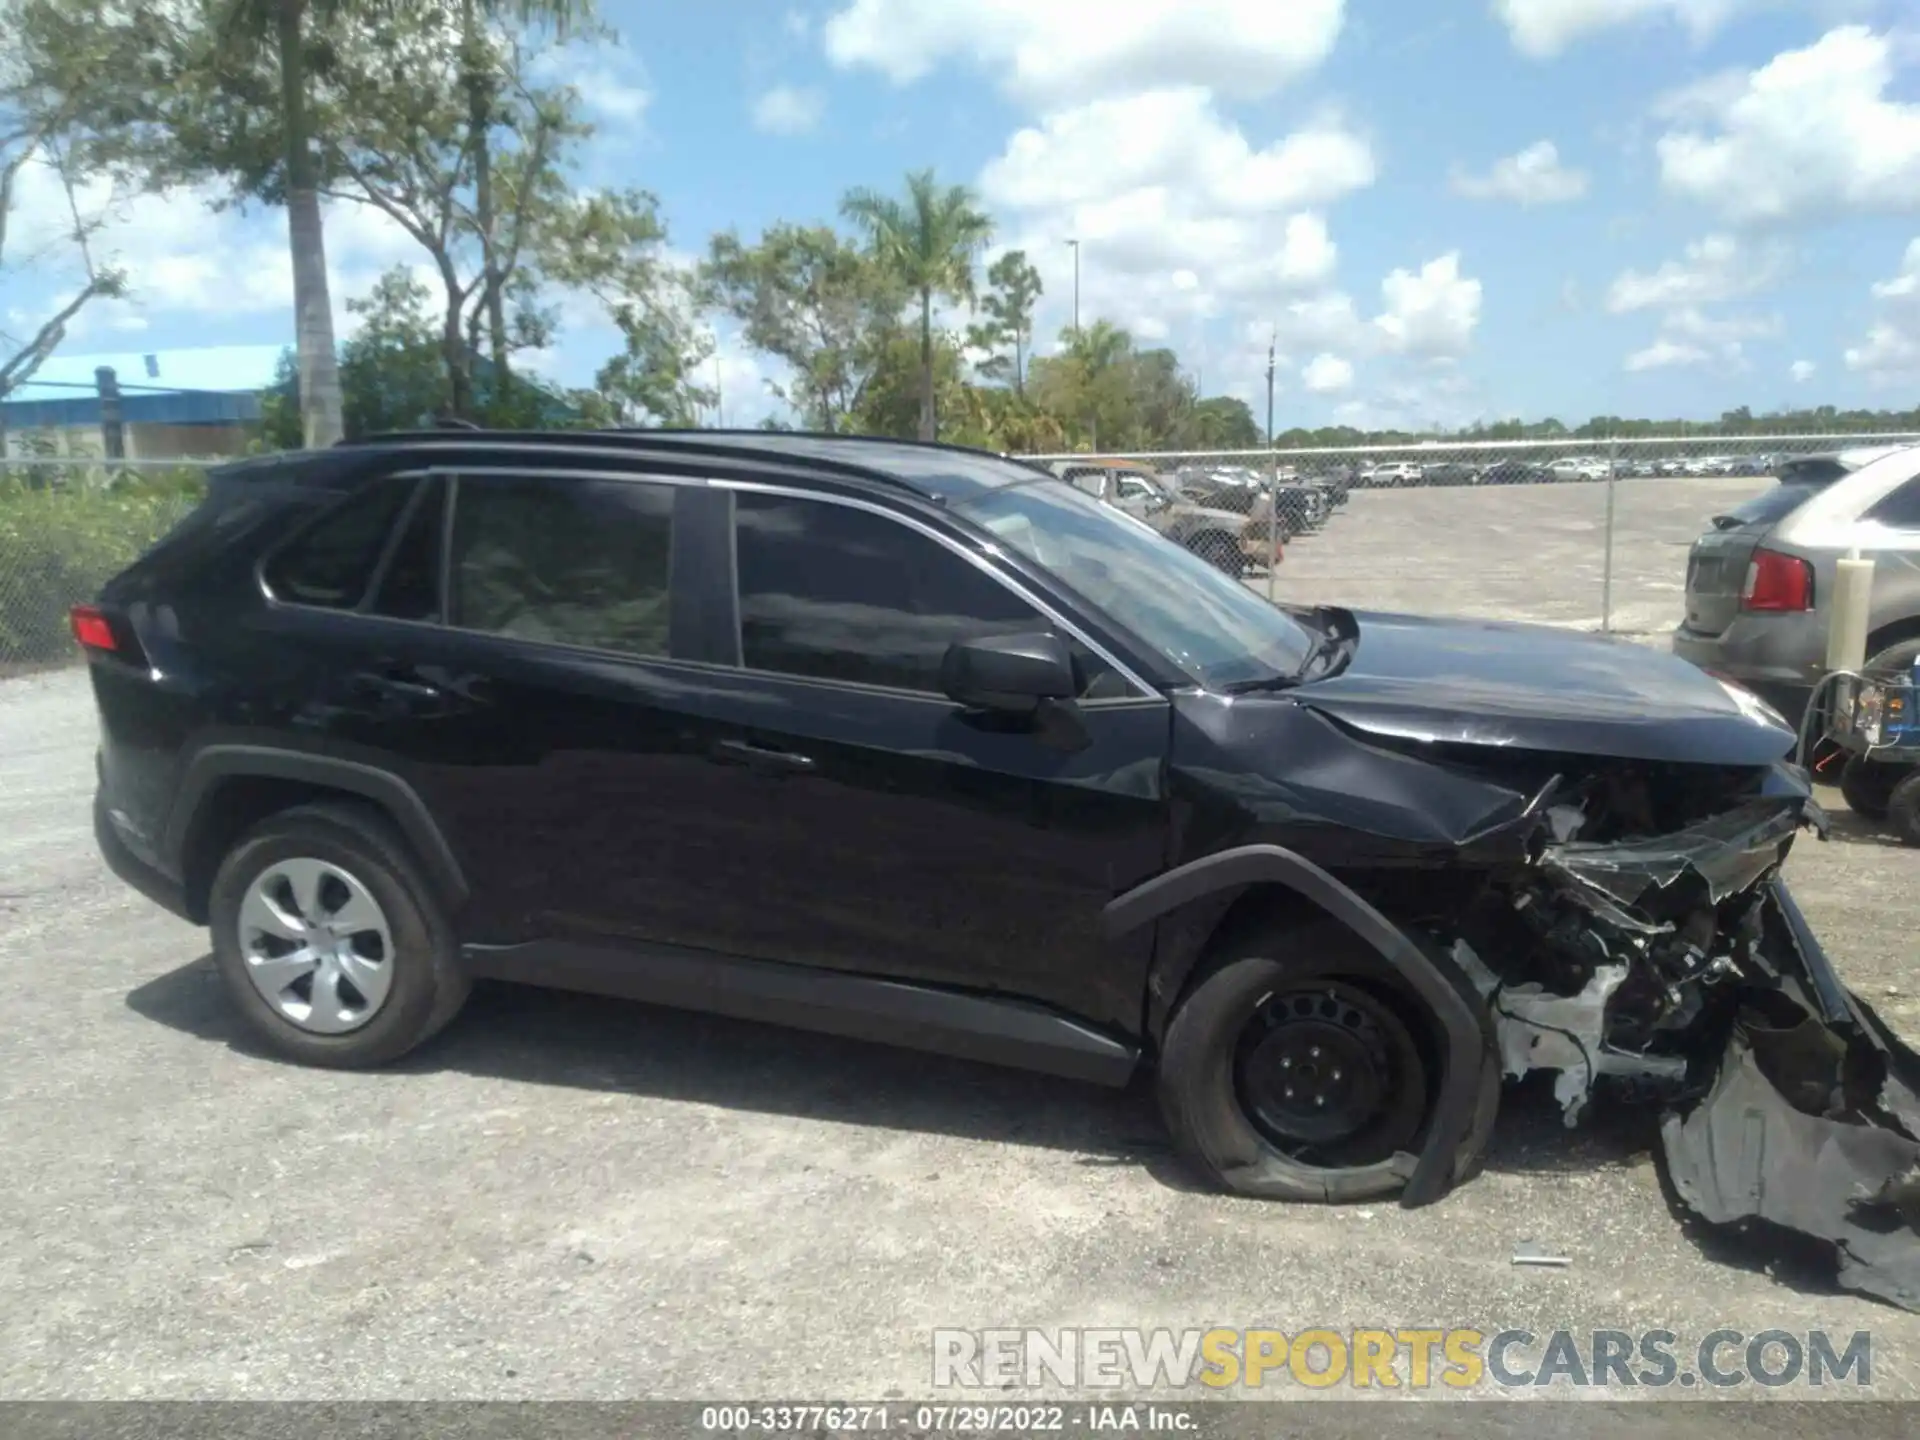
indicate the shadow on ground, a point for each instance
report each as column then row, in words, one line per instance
column 547, row 1037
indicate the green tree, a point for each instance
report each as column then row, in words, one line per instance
column 927, row 242
column 806, row 296
column 1014, row 290
column 36, row 127
column 1222, row 422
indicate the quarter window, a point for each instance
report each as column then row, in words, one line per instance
column 1901, row 509
column 566, row 561
column 835, row 593
column 332, row 563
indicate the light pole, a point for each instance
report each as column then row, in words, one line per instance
column 1273, row 475
column 1075, row 244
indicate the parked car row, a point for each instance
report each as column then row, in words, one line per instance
column 1515, row 470
column 1224, row 513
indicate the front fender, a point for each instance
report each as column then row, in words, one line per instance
column 1460, row 1023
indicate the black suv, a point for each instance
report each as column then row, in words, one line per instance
column 919, row 744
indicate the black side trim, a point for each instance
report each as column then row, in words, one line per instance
column 161, row 889
column 701, row 618
column 1271, row 864
column 216, row 763
column 974, row 1027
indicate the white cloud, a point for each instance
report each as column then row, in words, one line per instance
column 1534, row 176
column 1544, row 28
column 1811, row 132
column 1712, row 269
column 1892, row 343
column 1432, row 312
column 1690, row 323
column 789, row 110
column 1665, row 353
column 1325, row 374
column 1173, row 138
column 610, row 78
column 1802, row 371
column 1061, row 51
column 1180, row 217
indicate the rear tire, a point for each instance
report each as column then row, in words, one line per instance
column 1219, row 551
column 1868, row 785
column 1302, row 1067
column 335, row 882
column 1903, row 808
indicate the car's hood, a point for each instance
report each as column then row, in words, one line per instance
column 1538, row 687
column 1229, row 519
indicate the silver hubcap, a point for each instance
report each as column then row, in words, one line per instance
column 317, row 945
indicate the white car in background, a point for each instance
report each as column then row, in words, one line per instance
column 1578, row 467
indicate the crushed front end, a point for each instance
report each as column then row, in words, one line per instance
column 1661, row 954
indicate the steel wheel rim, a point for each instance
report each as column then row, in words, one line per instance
column 1324, row 1072
column 317, row 947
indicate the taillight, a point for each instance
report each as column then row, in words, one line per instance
column 91, row 629
column 1777, row 582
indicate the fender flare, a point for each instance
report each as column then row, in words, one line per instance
column 1461, row 1029
column 214, row 764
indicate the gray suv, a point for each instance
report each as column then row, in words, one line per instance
column 1225, row 537
column 1760, row 584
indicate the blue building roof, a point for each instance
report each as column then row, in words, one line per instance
column 185, row 407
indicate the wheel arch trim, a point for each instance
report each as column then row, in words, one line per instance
column 1462, row 1033
column 213, row 765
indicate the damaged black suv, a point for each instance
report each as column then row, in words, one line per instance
column 917, row 744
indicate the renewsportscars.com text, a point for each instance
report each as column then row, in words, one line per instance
column 1223, row 1359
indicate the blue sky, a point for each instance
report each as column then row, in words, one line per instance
column 1446, row 211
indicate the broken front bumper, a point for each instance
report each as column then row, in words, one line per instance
column 1696, row 977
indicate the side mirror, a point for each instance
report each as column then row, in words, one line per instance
column 1011, row 674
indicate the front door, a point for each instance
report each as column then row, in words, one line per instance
column 892, row 832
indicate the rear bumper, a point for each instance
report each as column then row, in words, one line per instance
column 1778, row 657
column 141, row 874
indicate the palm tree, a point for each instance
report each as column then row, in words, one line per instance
column 927, row 241
column 560, row 16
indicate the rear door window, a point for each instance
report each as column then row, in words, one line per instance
column 564, row 560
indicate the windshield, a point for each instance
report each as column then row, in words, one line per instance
column 1200, row 618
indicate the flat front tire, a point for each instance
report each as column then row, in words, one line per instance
column 1302, row 1067
column 330, row 942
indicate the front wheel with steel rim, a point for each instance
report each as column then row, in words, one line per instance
column 1220, row 551
column 332, row 944
column 1300, row 1065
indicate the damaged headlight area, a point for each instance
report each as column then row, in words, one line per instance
column 1673, row 965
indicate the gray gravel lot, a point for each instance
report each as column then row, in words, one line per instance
column 572, row 1198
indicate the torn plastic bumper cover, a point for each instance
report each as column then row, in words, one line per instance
column 1789, row 1100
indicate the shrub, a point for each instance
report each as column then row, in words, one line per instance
column 59, row 545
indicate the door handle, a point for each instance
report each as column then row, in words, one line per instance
column 761, row 757
column 397, row 681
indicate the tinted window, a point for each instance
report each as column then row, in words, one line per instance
column 572, row 562
column 1769, row 507
column 332, row 563
column 1901, row 509
column 841, row 594
column 410, row 586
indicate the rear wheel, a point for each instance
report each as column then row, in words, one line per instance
column 1220, row 551
column 1903, row 808
column 1868, row 785
column 1304, row 1068
column 331, row 943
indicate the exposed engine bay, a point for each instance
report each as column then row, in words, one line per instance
column 1647, row 945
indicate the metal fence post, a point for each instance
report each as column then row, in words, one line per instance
column 1273, row 517
column 1606, row 571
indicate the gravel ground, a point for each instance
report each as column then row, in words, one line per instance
column 571, row 1198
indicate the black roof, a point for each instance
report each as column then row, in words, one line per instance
column 937, row 471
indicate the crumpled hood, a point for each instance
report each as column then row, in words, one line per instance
column 1539, row 687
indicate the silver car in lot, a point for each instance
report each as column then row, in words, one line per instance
column 1760, row 584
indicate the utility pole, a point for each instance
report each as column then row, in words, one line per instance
column 1076, row 288
column 1273, row 475
column 1271, row 343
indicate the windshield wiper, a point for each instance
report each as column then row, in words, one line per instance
column 1265, row 682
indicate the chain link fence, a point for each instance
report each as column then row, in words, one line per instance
column 66, row 526
column 1585, row 533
